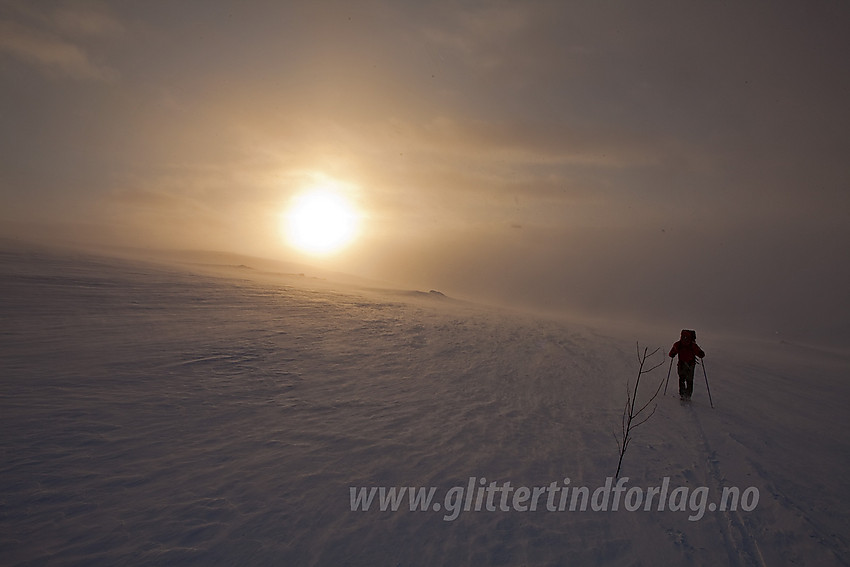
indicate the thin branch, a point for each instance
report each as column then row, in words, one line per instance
column 641, row 422
column 629, row 421
column 655, row 395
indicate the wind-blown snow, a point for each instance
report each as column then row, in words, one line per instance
column 156, row 415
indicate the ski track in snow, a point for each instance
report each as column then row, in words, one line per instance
column 743, row 548
column 154, row 415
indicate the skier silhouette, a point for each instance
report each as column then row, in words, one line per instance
column 687, row 349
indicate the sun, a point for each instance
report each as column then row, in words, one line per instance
column 321, row 222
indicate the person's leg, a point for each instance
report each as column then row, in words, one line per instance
column 681, row 369
column 689, row 380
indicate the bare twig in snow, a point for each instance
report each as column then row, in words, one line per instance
column 632, row 418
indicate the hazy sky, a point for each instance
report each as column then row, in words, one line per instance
column 687, row 161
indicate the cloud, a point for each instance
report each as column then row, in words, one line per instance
column 532, row 143
column 475, row 35
column 54, row 41
column 86, row 22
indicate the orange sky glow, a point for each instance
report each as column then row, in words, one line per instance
column 538, row 153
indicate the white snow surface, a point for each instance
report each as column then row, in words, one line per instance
column 165, row 415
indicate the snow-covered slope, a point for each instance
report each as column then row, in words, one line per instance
column 158, row 416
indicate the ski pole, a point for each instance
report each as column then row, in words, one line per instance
column 706, row 384
column 668, row 375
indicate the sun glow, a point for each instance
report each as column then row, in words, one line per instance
column 321, row 222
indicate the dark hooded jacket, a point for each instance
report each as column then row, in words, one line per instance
column 687, row 348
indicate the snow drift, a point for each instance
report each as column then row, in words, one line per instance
column 162, row 415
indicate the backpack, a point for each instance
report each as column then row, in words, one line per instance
column 693, row 334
